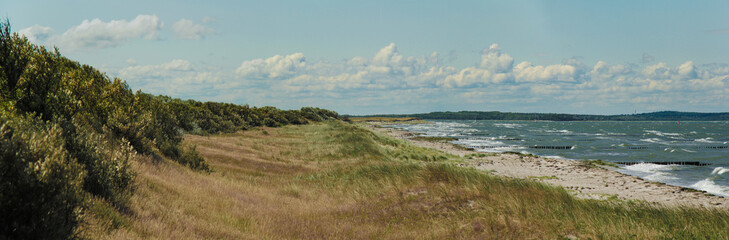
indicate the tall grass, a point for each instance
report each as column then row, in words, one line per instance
column 337, row 180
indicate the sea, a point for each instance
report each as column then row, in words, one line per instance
column 642, row 149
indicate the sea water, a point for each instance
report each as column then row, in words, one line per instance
column 637, row 143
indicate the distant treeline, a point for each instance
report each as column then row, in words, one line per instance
column 68, row 134
column 494, row 115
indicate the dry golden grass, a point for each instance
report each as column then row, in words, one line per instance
column 339, row 181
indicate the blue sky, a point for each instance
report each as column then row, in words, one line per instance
column 364, row 57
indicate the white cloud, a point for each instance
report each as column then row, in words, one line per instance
column 276, row 67
column 687, row 70
column 493, row 60
column 386, row 69
column 604, row 71
column 387, row 56
column 186, row 29
column 471, row 76
column 36, row 34
column 527, row 72
column 657, row 71
column 99, row 34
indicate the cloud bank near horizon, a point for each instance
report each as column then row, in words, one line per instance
column 389, row 82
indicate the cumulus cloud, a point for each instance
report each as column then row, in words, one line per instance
column 472, row 76
column 657, row 71
column 99, row 34
column 687, row 70
column 388, row 68
column 186, row 29
column 527, row 72
column 276, row 67
column 493, row 60
column 494, row 67
column 96, row 33
column 604, row 70
column 36, row 34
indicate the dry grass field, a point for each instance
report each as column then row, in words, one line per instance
column 337, row 180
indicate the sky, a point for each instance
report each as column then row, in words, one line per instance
column 379, row 57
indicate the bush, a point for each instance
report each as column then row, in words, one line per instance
column 40, row 184
column 191, row 158
column 107, row 163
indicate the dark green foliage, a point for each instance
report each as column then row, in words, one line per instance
column 13, row 58
column 40, row 183
column 211, row 117
column 191, row 158
column 107, row 164
column 318, row 114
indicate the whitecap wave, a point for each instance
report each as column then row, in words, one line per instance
column 711, row 187
column 508, row 125
column 652, row 140
column 705, row 140
column 649, row 167
column 559, row 131
column 441, row 129
column 663, row 134
column 660, row 177
column 653, row 172
column 719, row 171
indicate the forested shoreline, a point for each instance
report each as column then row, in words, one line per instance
column 495, row 115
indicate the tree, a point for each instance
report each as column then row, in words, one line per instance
column 13, row 58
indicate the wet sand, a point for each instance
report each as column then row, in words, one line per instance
column 591, row 182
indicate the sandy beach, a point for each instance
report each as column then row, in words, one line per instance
column 590, row 182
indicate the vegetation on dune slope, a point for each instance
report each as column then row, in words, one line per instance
column 338, row 180
column 69, row 136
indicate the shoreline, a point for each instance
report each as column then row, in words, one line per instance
column 578, row 178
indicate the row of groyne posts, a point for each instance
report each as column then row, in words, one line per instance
column 691, row 163
column 571, row 147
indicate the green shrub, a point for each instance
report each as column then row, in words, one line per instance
column 40, row 184
column 191, row 158
column 107, row 163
